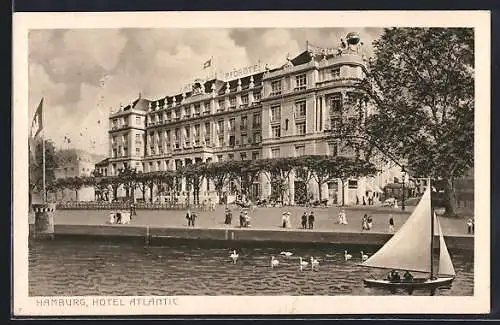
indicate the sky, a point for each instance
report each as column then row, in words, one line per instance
column 84, row 73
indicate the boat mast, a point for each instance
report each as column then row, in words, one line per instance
column 432, row 231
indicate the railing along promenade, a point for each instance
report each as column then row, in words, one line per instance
column 123, row 206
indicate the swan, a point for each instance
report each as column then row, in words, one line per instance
column 287, row 254
column 302, row 263
column 274, row 262
column 363, row 256
column 234, row 256
column 347, row 256
column 314, row 263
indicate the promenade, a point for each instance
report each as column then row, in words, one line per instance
column 262, row 218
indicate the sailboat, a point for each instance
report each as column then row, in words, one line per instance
column 411, row 249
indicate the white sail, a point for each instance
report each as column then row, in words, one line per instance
column 409, row 249
column 445, row 263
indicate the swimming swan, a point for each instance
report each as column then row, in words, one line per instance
column 287, row 254
column 363, row 256
column 314, row 263
column 347, row 256
column 234, row 256
column 302, row 263
column 274, row 262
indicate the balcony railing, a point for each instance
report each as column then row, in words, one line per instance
column 275, row 93
column 300, row 88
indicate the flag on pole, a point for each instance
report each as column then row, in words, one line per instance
column 207, row 64
column 36, row 128
column 37, row 123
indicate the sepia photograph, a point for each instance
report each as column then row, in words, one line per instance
column 181, row 163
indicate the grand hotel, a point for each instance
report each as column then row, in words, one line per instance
column 279, row 112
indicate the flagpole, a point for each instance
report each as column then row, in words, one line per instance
column 43, row 166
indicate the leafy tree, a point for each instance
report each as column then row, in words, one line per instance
column 36, row 165
column 193, row 174
column 219, row 173
column 128, row 177
column 278, row 173
column 247, row 172
column 422, row 85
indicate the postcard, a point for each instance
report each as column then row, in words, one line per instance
column 225, row 163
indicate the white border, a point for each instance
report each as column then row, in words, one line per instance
column 480, row 20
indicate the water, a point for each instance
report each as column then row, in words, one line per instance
column 90, row 267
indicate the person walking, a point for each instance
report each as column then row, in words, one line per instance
column 283, row 220
column 304, row 220
column 189, row 217
column 193, row 218
column 470, row 226
column 391, row 225
column 369, row 223
column 310, row 220
column 364, row 222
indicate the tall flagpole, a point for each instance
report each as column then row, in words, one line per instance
column 43, row 161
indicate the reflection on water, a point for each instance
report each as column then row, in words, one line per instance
column 84, row 267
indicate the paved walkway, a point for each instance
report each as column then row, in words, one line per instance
column 262, row 218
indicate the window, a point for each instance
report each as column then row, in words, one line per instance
column 300, row 109
column 124, row 138
column 276, row 131
column 197, row 110
column 222, row 105
column 221, row 141
column 177, row 113
column 219, row 158
column 275, row 152
column 243, row 156
column 231, row 141
column 168, row 116
column 231, row 124
column 158, row 165
column 114, row 153
column 138, row 120
column 197, row 130
column 187, row 112
column 207, row 131
column 353, row 184
column 244, row 122
column 137, row 138
column 336, row 123
column 167, row 136
column 275, row 113
column 244, row 101
column 335, row 103
column 137, row 151
column 335, row 73
column 300, row 82
column 301, row 128
column 300, row 151
column 333, row 149
column 257, row 137
column 232, row 102
column 257, row 96
column 256, row 120
column 275, row 88
column 244, row 140
column 230, row 156
column 255, row 155
column 113, row 140
column 206, row 108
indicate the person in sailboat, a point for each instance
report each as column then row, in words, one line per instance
column 408, row 276
column 393, row 276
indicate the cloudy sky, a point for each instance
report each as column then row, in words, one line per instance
column 83, row 73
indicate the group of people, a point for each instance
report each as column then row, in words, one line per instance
column 307, row 220
column 191, row 218
column 394, row 276
column 208, row 205
column 367, row 222
column 342, row 217
column 244, row 219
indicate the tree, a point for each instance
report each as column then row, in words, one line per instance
column 128, row 177
column 36, row 165
column 75, row 183
column 247, row 172
column 278, row 173
column 320, row 168
column 422, row 85
column 193, row 174
column 219, row 173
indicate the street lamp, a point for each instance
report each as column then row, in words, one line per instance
column 403, row 174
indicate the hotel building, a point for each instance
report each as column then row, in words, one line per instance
column 287, row 111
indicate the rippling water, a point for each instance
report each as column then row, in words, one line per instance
column 85, row 267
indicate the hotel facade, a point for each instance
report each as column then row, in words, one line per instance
column 253, row 113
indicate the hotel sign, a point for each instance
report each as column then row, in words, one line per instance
column 241, row 72
column 321, row 50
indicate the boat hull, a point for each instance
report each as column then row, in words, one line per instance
column 413, row 284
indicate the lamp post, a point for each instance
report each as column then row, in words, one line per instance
column 403, row 175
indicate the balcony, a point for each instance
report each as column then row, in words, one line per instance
column 232, row 106
column 244, row 105
column 300, row 88
column 275, row 93
column 206, row 112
